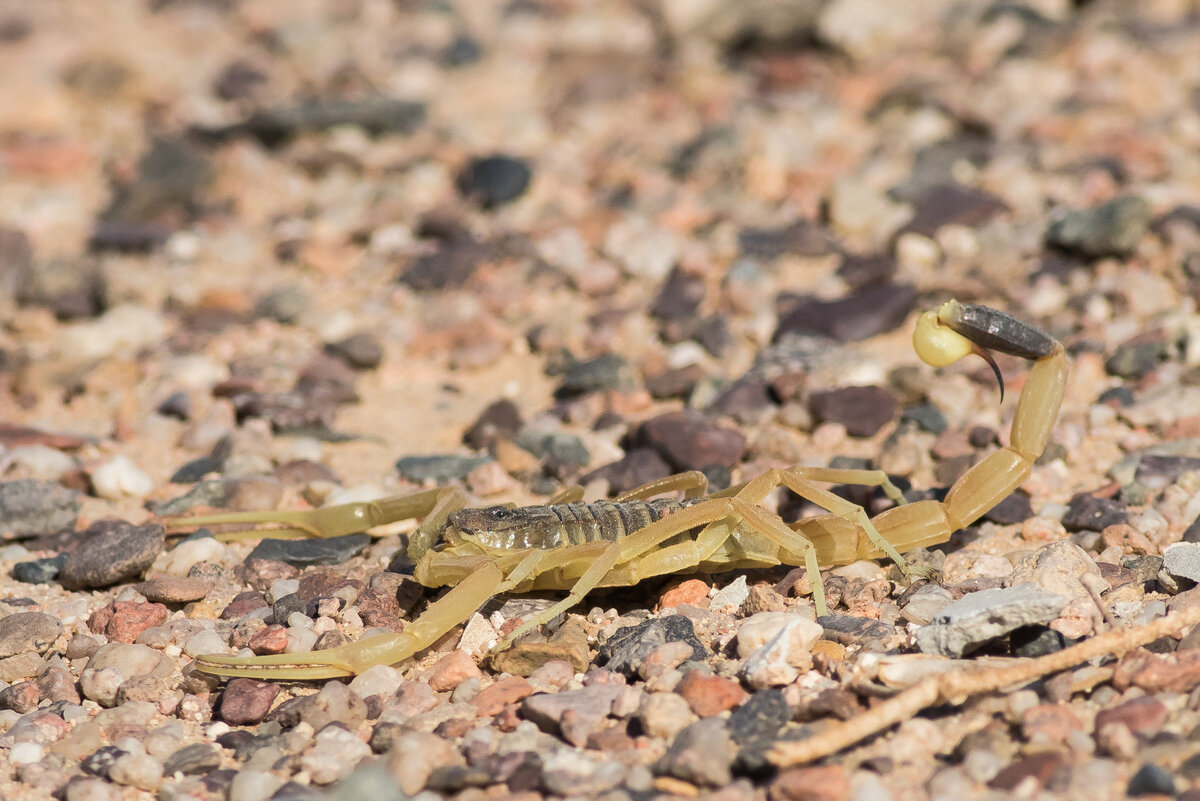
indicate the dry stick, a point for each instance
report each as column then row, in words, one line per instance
column 957, row 687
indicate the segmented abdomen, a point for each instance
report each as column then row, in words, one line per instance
column 576, row 523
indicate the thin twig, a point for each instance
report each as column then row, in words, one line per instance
column 958, row 687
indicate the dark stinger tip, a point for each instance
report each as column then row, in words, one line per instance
column 987, row 357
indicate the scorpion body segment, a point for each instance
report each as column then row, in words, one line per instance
column 556, row 525
column 577, row 547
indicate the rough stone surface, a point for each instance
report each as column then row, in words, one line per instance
column 110, row 551
column 985, row 615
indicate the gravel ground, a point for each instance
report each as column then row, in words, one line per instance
column 258, row 254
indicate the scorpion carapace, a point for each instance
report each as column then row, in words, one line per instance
column 577, row 547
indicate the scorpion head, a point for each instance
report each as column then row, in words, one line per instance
column 500, row 526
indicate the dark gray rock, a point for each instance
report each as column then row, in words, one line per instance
column 1111, row 229
column 1133, row 360
column 927, row 417
column 862, row 410
column 1151, row 779
column 1086, row 512
column 439, row 467
column 607, row 371
column 494, row 180
column 1013, row 509
column 874, row 310
column 754, row 727
column 111, row 551
column 39, row 570
column 689, row 440
column 192, row 760
column 628, row 647
column 451, row 265
column 30, row 507
column 1156, row 471
column 1035, row 641
column 361, row 351
column 952, row 204
column 854, row 630
column 500, row 420
column 304, row 553
column 801, row 238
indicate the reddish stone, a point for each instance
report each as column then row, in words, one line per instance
column 244, row 604
column 247, row 701
column 492, row 699
column 452, row 670
column 174, row 589
column 260, row 573
column 690, row 592
column 1176, row 672
column 710, row 695
column 614, row 738
column 1041, row 767
column 123, row 621
column 810, row 784
column 324, row 583
column 57, row 684
column 1143, row 715
column 270, row 640
column 21, row 697
column 1050, row 721
column 379, row 609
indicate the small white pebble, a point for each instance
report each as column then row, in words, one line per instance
column 120, row 477
column 13, row 553
column 253, row 785
column 41, row 461
column 215, row 730
column 205, row 642
column 136, row 770
column 299, row 620
column 190, row 552
column 25, row 753
column 92, row 789
column 281, row 588
column 300, row 640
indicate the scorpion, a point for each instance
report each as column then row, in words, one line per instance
column 574, row 546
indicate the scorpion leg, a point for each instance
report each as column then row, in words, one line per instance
column 693, row 484
column 334, row 521
column 348, row 660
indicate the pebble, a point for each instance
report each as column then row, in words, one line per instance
column 494, row 180
column 192, row 551
column 1151, row 779
column 30, row 507
column 174, row 589
column 136, row 770
column 604, row 372
column 1057, row 568
column 982, row 616
column 123, row 621
column 39, row 571
column 691, row 591
column 862, row 410
column 1110, row 229
column 362, row 351
column 1142, row 716
column 576, row 714
column 246, row 702
column 1086, row 512
column 453, row 669
column 638, row 466
column 1182, row 560
column 688, row 440
column 334, row 753
column 23, row 632
column 312, row 552
column 663, row 715
column 111, row 551
column 204, row 642
column 440, row 468
column 500, row 420
column 492, row 699
column 709, row 695
column 376, row 680
column 628, row 647
column 702, row 754
column 777, row 647
column 873, row 310
column 924, row 604
column 253, row 785
column 197, row 758
column 119, row 478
